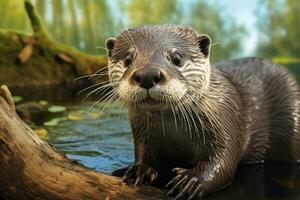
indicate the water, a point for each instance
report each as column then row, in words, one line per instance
column 99, row 140
column 103, row 141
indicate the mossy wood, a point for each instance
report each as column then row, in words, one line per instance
column 37, row 59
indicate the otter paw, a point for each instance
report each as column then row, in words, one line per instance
column 186, row 184
column 140, row 174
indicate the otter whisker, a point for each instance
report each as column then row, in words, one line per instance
column 191, row 116
column 127, row 31
column 100, row 47
column 195, row 110
column 103, row 84
column 109, row 93
column 216, row 43
column 98, row 75
column 134, row 45
column 110, row 101
column 100, row 70
column 163, row 123
column 91, row 75
column 168, row 102
column 89, row 87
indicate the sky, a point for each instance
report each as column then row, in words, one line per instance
column 245, row 12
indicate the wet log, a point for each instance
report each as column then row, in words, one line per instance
column 30, row 168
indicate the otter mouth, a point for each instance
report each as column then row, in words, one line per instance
column 150, row 101
column 151, row 104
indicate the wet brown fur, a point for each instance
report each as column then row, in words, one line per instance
column 248, row 112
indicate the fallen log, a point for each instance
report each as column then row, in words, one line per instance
column 30, row 168
column 38, row 59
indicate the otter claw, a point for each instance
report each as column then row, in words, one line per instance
column 153, row 177
column 173, row 180
column 140, row 174
column 198, row 192
column 138, row 181
column 176, row 186
column 179, row 170
column 186, row 185
column 187, row 188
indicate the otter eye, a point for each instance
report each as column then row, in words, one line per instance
column 176, row 59
column 128, row 60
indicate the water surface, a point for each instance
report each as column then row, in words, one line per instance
column 98, row 139
column 102, row 140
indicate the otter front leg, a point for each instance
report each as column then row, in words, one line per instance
column 205, row 178
column 140, row 172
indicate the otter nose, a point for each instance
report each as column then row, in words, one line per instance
column 147, row 78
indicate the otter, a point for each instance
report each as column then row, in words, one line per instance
column 194, row 122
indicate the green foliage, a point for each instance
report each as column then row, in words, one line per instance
column 85, row 24
column 12, row 14
column 204, row 17
column 38, row 59
column 279, row 23
column 17, row 99
column 56, row 109
column 152, row 12
column 225, row 33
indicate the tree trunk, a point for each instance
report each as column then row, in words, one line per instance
column 90, row 39
column 58, row 20
column 74, row 21
column 32, row 169
column 41, row 8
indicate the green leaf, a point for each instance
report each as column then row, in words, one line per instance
column 57, row 109
column 17, row 99
column 53, row 122
column 43, row 103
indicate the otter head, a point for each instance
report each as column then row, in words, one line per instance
column 155, row 67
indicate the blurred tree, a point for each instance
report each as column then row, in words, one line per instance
column 226, row 35
column 3, row 11
column 11, row 12
column 103, row 20
column 279, row 23
column 41, row 7
column 152, row 12
column 58, row 28
column 75, row 37
column 204, row 17
column 89, row 38
column 86, row 24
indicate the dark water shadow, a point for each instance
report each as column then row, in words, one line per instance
column 272, row 180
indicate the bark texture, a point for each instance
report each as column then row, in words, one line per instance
column 30, row 168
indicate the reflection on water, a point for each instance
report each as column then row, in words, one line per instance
column 276, row 180
column 102, row 141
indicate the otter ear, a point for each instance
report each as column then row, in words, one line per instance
column 204, row 44
column 110, row 44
